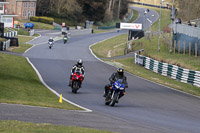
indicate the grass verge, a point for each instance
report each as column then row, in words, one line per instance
column 22, row 45
column 19, row 84
column 135, row 16
column 26, row 127
column 111, row 47
column 38, row 25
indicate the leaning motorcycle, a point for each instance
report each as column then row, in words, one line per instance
column 115, row 91
column 50, row 44
column 77, row 79
column 65, row 39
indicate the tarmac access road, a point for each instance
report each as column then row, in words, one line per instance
column 146, row 108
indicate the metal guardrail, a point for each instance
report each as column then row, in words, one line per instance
column 187, row 30
column 31, row 32
column 5, row 45
column 11, row 34
column 129, row 17
column 172, row 71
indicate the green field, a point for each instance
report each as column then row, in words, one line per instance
column 19, row 84
column 27, row 127
column 111, row 47
column 22, row 44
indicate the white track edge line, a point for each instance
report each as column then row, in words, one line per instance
column 41, row 79
column 41, row 107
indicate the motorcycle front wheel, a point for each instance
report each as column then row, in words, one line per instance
column 107, row 100
column 75, row 87
column 113, row 101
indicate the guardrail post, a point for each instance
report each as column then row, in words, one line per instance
column 196, row 49
column 189, row 48
column 174, row 46
column 184, row 48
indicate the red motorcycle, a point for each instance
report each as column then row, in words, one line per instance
column 77, row 79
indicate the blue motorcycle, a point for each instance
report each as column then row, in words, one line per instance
column 115, row 91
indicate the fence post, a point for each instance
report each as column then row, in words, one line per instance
column 196, row 49
column 184, row 48
column 174, row 46
column 189, row 48
column 179, row 43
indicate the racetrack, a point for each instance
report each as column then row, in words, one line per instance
column 146, row 107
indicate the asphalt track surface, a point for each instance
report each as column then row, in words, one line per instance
column 146, row 108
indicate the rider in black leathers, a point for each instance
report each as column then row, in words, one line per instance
column 51, row 39
column 80, row 66
column 114, row 77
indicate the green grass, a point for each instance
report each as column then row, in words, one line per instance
column 22, row 32
column 38, row 25
column 102, row 31
column 2, row 39
column 115, row 46
column 27, row 127
column 135, row 16
column 24, row 39
column 22, row 48
column 36, row 35
column 22, row 45
column 19, row 84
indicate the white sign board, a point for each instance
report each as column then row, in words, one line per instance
column 131, row 26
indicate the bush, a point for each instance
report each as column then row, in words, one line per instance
column 66, row 21
column 46, row 20
column 34, row 18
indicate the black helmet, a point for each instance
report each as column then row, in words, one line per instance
column 120, row 71
column 79, row 62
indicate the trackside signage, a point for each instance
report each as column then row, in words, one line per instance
column 131, row 26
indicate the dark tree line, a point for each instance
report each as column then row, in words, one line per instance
column 81, row 10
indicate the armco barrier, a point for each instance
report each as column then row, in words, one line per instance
column 4, row 45
column 11, row 34
column 172, row 71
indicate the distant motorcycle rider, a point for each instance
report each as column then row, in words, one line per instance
column 78, row 66
column 114, row 77
column 51, row 39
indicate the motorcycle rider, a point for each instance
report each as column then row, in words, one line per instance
column 78, row 65
column 65, row 37
column 114, row 77
column 51, row 39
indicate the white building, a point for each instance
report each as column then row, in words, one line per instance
column 5, row 18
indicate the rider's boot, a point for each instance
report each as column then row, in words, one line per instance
column 70, row 82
